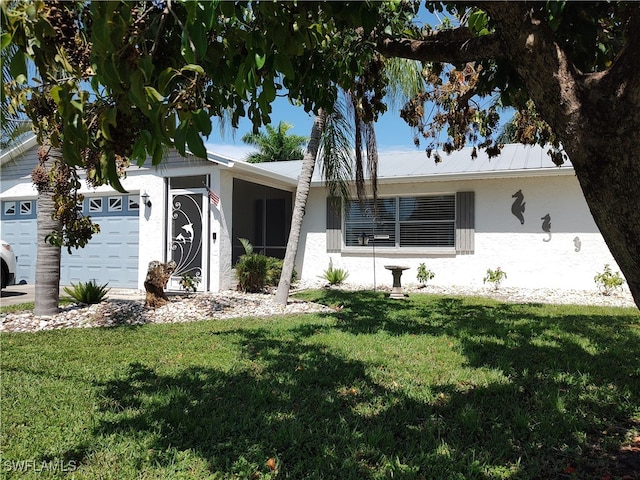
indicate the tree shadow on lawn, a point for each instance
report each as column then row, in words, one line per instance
column 322, row 414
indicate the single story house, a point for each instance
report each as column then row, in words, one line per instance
column 460, row 217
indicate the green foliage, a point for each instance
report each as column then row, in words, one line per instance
column 424, row 274
column 87, row 292
column 607, row 281
column 251, row 270
column 256, row 271
column 335, row 276
column 274, row 271
column 189, row 283
column 275, row 144
column 122, row 100
column 495, row 276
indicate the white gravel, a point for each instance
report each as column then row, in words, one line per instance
column 130, row 310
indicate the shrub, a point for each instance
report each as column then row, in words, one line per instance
column 274, row 271
column 255, row 270
column 424, row 274
column 251, row 269
column 335, row 276
column 89, row 292
column 607, row 281
column 189, row 283
column 252, row 272
column 495, row 276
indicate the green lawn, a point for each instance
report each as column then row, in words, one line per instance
column 430, row 387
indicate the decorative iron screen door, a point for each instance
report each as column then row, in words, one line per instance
column 188, row 237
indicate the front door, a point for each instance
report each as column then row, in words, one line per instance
column 187, row 236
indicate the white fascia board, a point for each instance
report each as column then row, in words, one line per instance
column 220, row 159
column 18, row 150
column 522, row 173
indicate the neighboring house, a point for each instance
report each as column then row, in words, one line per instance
column 460, row 217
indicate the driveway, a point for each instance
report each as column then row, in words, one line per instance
column 14, row 294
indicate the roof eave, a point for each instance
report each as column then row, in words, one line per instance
column 449, row 177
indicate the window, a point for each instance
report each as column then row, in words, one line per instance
column 115, row 204
column 25, row 208
column 134, row 203
column 95, row 205
column 9, row 208
column 419, row 222
column 427, row 221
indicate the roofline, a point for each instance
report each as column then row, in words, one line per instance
column 520, row 173
column 18, row 150
column 252, row 170
column 217, row 158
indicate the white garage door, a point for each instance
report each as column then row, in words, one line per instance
column 111, row 256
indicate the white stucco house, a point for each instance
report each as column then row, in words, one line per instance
column 459, row 217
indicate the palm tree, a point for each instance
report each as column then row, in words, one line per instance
column 48, row 255
column 275, row 144
column 329, row 137
column 304, row 185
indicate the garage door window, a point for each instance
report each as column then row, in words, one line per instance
column 115, row 204
column 9, row 208
column 95, row 205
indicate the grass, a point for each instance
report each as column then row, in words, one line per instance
column 429, row 387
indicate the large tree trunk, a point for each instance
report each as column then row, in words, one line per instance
column 610, row 179
column 304, row 184
column 47, row 291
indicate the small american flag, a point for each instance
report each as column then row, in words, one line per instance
column 213, row 196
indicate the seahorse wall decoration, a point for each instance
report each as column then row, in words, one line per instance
column 546, row 227
column 577, row 244
column 518, row 206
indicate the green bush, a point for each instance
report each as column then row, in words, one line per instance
column 424, row 274
column 335, row 276
column 274, row 271
column 607, row 281
column 252, row 272
column 189, row 283
column 495, row 276
column 256, row 271
column 89, row 292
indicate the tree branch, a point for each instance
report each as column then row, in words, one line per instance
column 623, row 77
column 451, row 46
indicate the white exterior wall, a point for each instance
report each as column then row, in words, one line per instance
column 224, row 245
column 500, row 239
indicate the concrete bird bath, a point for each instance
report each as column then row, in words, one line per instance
column 396, row 270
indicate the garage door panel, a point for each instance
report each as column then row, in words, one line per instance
column 110, row 256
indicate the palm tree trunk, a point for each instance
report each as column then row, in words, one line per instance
column 48, row 256
column 304, row 185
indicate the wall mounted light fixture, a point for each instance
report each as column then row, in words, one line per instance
column 145, row 199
